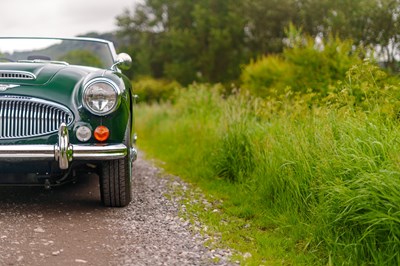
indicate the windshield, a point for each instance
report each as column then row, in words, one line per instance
column 86, row 52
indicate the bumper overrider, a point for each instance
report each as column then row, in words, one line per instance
column 65, row 152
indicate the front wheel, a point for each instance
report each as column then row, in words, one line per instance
column 115, row 182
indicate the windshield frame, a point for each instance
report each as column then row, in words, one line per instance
column 111, row 56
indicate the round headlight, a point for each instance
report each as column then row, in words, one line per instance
column 100, row 96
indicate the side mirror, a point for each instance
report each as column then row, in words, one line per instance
column 124, row 62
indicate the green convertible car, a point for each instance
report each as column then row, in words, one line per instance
column 65, row 107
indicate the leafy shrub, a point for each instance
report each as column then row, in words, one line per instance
column 152, row 90
column 367, row 88
column 266, row 74
column 318, row 65
column 306, row 65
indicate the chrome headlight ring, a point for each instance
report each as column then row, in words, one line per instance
column 101, row 96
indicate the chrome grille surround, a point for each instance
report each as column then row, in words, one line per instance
column 24, row 117
column 12, row 74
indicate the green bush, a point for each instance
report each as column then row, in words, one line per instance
column 318, row 65
column 306, row 65
column 268, row 73
column 367, row 88
column 152, row 90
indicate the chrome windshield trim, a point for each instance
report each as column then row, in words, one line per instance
column 41, row 61
column 110, row 44
column 59, row 38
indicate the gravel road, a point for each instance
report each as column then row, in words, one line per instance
column 68, row 226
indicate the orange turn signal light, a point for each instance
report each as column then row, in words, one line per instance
column 101, row 133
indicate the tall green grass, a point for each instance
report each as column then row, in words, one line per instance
column 322, row 173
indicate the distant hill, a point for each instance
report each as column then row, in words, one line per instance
column 109, row 36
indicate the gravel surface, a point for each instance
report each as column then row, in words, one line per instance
column 68, row 226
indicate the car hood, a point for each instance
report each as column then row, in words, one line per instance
column 59, row 83
column 36, row 73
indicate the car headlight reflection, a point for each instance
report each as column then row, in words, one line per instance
column 101, row 96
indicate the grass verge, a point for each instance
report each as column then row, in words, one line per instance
column 294, row 183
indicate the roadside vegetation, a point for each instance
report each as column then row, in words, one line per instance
column 280, row 112
column 305, row 177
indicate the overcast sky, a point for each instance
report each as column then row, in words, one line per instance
column 60, row 18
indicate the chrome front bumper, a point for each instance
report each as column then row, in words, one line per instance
column 64, row 152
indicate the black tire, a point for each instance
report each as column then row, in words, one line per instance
column 116, row 179
column 115, row 183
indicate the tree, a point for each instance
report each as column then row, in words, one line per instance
column 265, row 24
column 187, row 40
column 374, row 23
column 208, row 40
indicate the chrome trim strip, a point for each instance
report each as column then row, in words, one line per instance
column 103, row 152
column 64, row 152
column 26, row 152
column 12, row 153
column 44, row 62
column 61, row 39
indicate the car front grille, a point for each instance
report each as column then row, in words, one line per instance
column 23, row 117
